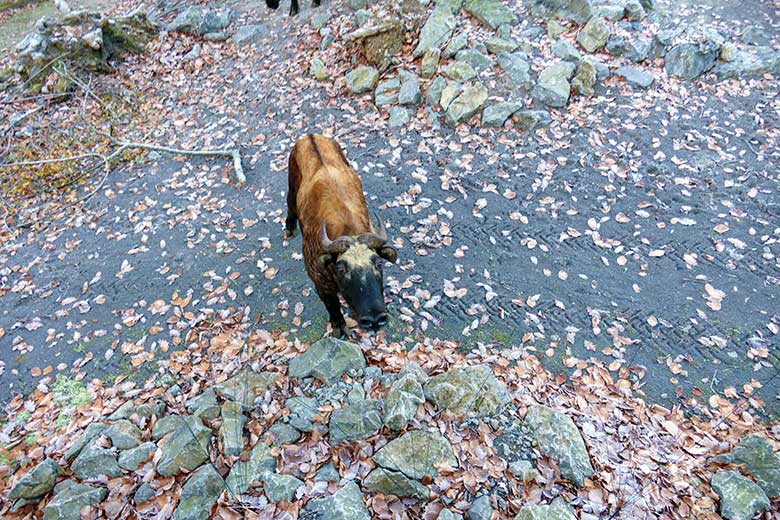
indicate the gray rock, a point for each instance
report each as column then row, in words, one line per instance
column 555, row 29
column 399, row 116
column 728, row 52
column 166, row 425
column 328, row 473
column 327, row 39
column 198, row 21
column 436, row 31
column 495, row 115
column 755, row 35
column 279, row 487
column 459, row 71
column 448, row 94
column 380, row 42
column 362, row 16
column 91, row 432
column 317, row 69
column 186, row 448
column 558, row 510
column 466, row 105
column 416, row 454
column 556, row 436
column 760, row 60
column 578, row 11
column 305, row 407
column 395, row 483
column 123, row 434
column 386, row 92
column 500, row 45
column 216, row 36
column 430, row 62
column 358, row 4
column 523, row 470
column 616, row 45
column 516, row 68
column 760, row 461
column 491, row 12
column 446, row 514
column 638, row 50
column 284, row 434
column 37, row 482
column 320, row 20
column 566, row 50
column 329, row 358
column 151, row 409
column 636, row 77
column 452, row 6
column 471, row 389
column 530, row 120
column 243, row 386
column 346, row 504
column 433, row 96
column 199, row 494
column 360, row 80
column 204, row 405
column 584, row 81
column 553, row 88
column 456, row 44
column 481, row 509
column 410, row 93
column 132, row 459
column 403, row 399
column 231, row 433
column 602, row 69
column 144, row 493
column 70, row 498
column 688, row 60
column 124, row 411
column 635, row 11
column 613, row 12
column 594, row 35
column 740, row 497
column 260, row 464
column 94, row 461
column 475, row 58
column 355, row 422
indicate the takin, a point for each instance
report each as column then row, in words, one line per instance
column 343, row 251
column 274, row 4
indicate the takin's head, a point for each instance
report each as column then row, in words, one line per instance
column 356, row 265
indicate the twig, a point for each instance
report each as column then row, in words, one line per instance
column 31, row 98
column 49, row 161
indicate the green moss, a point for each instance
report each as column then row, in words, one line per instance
column 31, row 439
column 70, row 393
column 62, row 421
column 21, row 418
column 78, row 349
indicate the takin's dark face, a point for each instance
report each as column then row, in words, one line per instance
column 358, row 273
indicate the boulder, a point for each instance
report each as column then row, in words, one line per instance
column 199, row 494
column 516, row 68
column 452, row 6
column 395, row 483
column 231, row 433
column 523, row 470
column 284, row 433
column 198, row 21
column 355, row 422
column 495, row 115
column 250, row 34
column 759, row 460
column 403, row 399
column 410, row 93
column 446, row 514
column 328, row 473
column 757, row 61
column 456, row 44
column 613, row 12
column 459, row 71
column 471, row 389
column 37, row 482
column 278, row 487
column 259, row 465
column 430, row 62
column 329, row 358
column 144, row 493
column 132, row 459
column 436, row 31
column 346, row 504
column 728, row 52
column 558, row 510
column 740, row 497
column 553, row 88
column 123, row 434
column 638, row 50
column 578, row 11
column 386, row 92
column 566, row 51
column 530, row 120
column 94, row 461
column 185, row 449
column 433, row 95
column 584, row 81
column 244, row 386
column 492, row 13
column 636, row 77
column 448, row 94
column 70, row 498
column 317, row 69
column 481, row 509
column 498, row 46
column 380, row 42
column 594, row 35
column 635, row 12
column 478, row 60
column 467, row 104
column 399, row 116
column 416, row 454
column 557, row 437
column 204, row 405
column 91, row 432
column 166, row 425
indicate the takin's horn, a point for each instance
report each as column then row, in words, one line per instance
column 377, row 237
column 334, row 246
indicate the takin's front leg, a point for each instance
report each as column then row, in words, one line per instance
column 337, row 322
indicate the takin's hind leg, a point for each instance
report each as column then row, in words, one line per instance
column 315, row 3
column 337, row 322
column 293, row 7
column 293, row 181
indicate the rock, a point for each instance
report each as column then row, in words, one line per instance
column 555, row 29
column 530, row 120
column 399, row 116
column 132, row 459
column 471, row 389
column 688, row 61
column 346, row 504
column 144, row 493
column 446, row 514
column 71, row 497
column 231, row 433
column 728, row 52
column 199, row 494
column 395, row 483
column 481, row 509
column 430, row 62
column 635, row 77
column 328, row 473
column 327, row 38
column 204, row 405
column 635, row 12
column 516, row 68
column 260, row 464
column 317, row 69
column 578, row 11
column 500, row 45
column 216, row 36
column 243, row 386
column 495, row 115
column 151, row 409
column 616, row 45
column 94, row 461
column 91, row 432
column 279, row 487
column 459, row 71
column 755, row 35
column 166, row 425
column 760, row 461
column 523, row 470
column 416, row 453
column 584, row 81
column 760, row 60
column 602, row 69
column 123, row 434
column 362, row 16
column 355, row 422
column 329, row 358
column 613, row 12
column 186, row 448
column 305, row 407
column 566, row 50
column 358, row 4
column 467, row 104
column 740, row 497
column 386, row 92
column 410, row 93
column 320, row 20
column 594, row 35
column 476, row 59
column 403, row 399
column 37, row 482
column 436, row 31
column 556, row 436
column 558, row 510
column 490, row 12
column 433, row 96
column 638, row 50
column 380, row 42
column 452, row 6
column 284, row 434
column 455, row 45
column 449, row 93
column 553, row 88
column 198, row 21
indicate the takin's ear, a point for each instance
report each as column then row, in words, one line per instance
column 389, row 253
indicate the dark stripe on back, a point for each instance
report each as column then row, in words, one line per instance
column 316, row 150
column 341, row 153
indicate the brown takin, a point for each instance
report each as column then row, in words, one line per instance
column 343, row 251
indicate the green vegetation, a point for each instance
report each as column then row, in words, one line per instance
column 69, row 393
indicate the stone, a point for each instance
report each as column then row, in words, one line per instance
column 594, row 35
column 466, row 105
column 530, row 120
column 459, row 71
column 516, row 67
column 555, row 29
column 260, row 464
column 358, row 4
column 436, row 31
column 278, row 487
column 760, row 60
column 320, row 20
column 635, row 12
column 500, row 45
column 481, row 509
column 475, row 58
column 362, row 16
column 346, row 504
column 689, row 61
column 204, row 405
column 124, row 411
column 216, row 36
column 430, row 62
column 305, row 407
column 198, row 21
column 566, row 50
column 284, row 434
column 244, row 385
column 386, row 92
column 636, row 77
column 123, row 434
column 317, row 69
column 452, row 6
column 360, row 80
column 410, row 93
column 328, row 358
column 495, row 115
column 638, row 50
column 185, row 449
column 395, row 483
column 558, row 510
column 523, row 470
column 616, row 45
column 91, row 432
column 166, row 425
column 602, row 69
column 132, row 459
column 71, row 497
column 416, row 454
column 740, row 497
column 451, row 91
column 151, row 409
column 199, row 494
column 553, row 88
column 328, row 473
column 759, row 460
column 231, row 433
column 446, row 514
column 557, row 437
column 492, row 13
column 584, row 81
column 472, row 389
column 94, row 461
column 380, row 42
column 578, row 11
column 728, row 52
column 456, row 44
column 613, row 12
column 355, row 422
column 755, row 35
column 403, row 399
column 144, row 493
column 433, row 95
column 399, row 116
column 37, row 482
